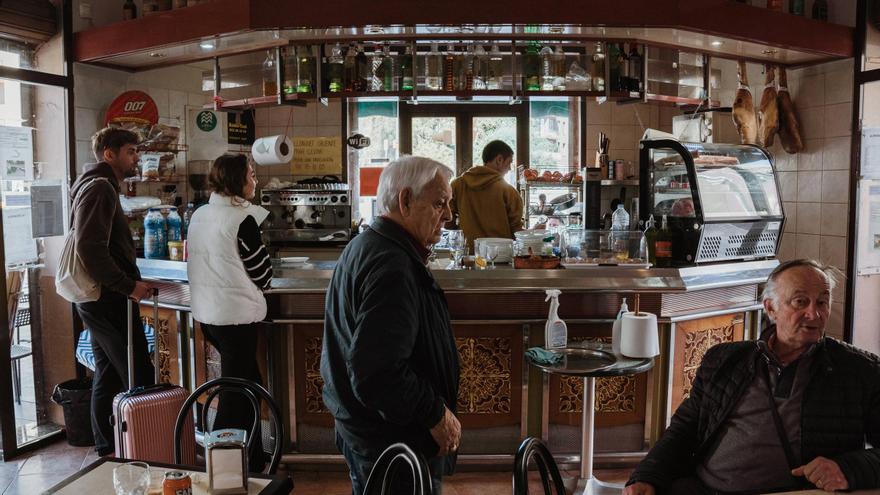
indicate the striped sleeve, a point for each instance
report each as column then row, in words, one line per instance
column 254, row 254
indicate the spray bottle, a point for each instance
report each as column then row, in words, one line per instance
column 615, row 329
column 555, row 331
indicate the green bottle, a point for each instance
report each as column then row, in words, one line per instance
column 651, row 239
column 406, row 70
column 532, row 68
column 796, row 7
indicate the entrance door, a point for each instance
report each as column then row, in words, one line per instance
column 455, row 133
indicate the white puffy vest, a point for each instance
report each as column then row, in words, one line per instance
column 220, row 290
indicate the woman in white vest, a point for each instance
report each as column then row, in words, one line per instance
column 228, row 269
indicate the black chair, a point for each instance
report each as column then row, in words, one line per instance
column 532, row 447
column 388, row 464
column 254, row 393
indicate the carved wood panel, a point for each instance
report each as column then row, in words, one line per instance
column 490, row 387
column 692, row 339
column 620, row 400
column 166, row 342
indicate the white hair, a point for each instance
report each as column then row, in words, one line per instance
column 407, row 172
column 771, row 292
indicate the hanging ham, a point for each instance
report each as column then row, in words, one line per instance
column 768, row 112
column 789, row 128
column 744, row 109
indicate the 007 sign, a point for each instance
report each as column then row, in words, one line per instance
column 132, row 107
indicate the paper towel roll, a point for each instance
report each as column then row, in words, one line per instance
column 638, row 335
column 272, row 150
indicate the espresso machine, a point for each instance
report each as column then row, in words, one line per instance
column 307, row 215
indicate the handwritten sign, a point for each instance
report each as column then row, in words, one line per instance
column 317, row 156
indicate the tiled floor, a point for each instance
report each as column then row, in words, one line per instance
column 40, row 470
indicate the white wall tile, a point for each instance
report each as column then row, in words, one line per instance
column 83, row 154
column 177, row 101
column 836, row 153
column 261, row 117
column 790, row 217
column 834, row 218
column 784, row 162
column 809, row 186
column 159, row 95
column 599, row 114
column 808, row 218
column 838, row 87
column 593, row 136
column 838, row 120
column 812, row 122
column 811, row 157
column 807, row 246
column 787, row 247
column 198, row 100
column 832, row 250
column 623, row 114
column 327, row 130
column 788, row 185
column 330, row 114
column 810, row 92
column 280, row 116
column 304, row 131
column 623, row 137
column 835, row 186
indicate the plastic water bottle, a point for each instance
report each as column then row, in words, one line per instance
column 155, row 236
column 187, row 215
column 619, row 228
column 175, row 226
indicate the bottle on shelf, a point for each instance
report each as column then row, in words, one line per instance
column 635, row 68
column 129, row 10
column 796, row 7
column 270, row 84
column 449, row 71
column 377, row 75
column 820, row 10
column 620, row 236
column 650, row 239
column 480, row 68
column 613, row 59
column 558, row 69
column 774, row 5
column 625, row 80
column 495, row 69
column 304, row 71
column 155, row 234
column 289, row 86
column 335, row 69
column 362, row 65
column 532, row 68
column 547, row 75
column 434, row 69
column 187, row 216
column 467, row 70
column 388, row 78
column 406, row 70
column 350, row 68
column 597, row 71
column 663, row 246
column 174, row 225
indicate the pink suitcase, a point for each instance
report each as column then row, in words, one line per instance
column 144, row 417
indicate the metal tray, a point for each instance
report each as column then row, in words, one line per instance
column 579, row 361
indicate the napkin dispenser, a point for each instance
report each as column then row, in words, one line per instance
column 226, row 461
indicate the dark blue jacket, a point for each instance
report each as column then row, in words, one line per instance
column 389, row 360
column 839, row 413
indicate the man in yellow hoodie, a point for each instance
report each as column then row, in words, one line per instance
column 486, row 205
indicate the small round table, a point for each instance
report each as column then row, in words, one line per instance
column 591, row 360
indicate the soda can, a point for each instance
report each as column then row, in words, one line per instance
column 177, row 483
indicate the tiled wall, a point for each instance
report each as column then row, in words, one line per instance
column 312, row 120
column 815, row 183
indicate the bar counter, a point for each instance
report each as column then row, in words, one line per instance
column 497, row 315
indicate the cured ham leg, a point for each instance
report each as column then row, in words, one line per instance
column 744, row 109
column 768, row 112
column 789, row 128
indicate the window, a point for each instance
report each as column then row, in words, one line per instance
column 549, row 134
column 378, row 121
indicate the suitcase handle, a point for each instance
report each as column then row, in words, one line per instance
column 131, row 340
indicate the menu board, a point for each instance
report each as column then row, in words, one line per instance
column 317, row 156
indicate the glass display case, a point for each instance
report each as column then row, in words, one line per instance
column 722, row 201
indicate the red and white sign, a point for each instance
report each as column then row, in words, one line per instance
column 132, row 106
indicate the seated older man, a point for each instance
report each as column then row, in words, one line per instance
column 389, row 361
column 792, row 410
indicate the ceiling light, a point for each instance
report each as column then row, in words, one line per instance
column 157, row 54
column 207, row 45
column 770, row 51
column 717, row 43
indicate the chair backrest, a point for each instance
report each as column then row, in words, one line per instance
column 13, row 295
column 253, row 392
column 532, row 447
column 385, row 469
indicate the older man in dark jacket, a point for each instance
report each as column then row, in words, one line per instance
column 792, row 410
column 389, row 361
